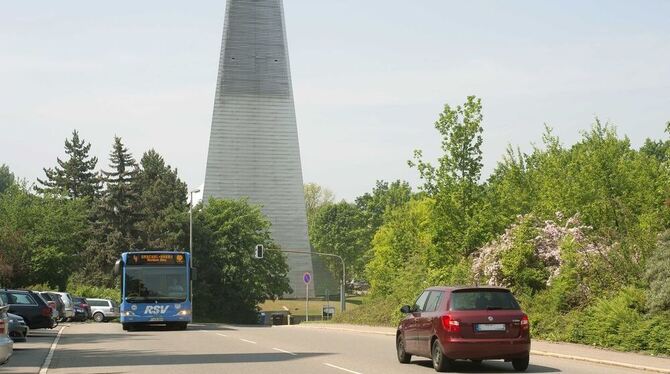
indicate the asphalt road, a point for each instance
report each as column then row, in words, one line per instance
column 106, row 348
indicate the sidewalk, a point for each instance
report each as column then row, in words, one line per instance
column 544, row 348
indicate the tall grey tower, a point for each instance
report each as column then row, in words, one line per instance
column 253, row 145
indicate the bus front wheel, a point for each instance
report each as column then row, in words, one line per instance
column 127, row 327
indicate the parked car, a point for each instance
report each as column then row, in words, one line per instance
column 18, row 329
column 103, row 309
column 68, row 305
column 6, row 344
column 30, row 306
column 464, row 323
column 82, row 304
column 60, row 306
column 55, row 313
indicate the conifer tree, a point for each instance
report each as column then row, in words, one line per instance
column 162, row 201
column 75, row 177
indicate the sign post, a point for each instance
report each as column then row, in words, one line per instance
column 307, row 278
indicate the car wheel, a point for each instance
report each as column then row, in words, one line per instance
column 403, row 356
column 521, row 364
column 440, row 362
column 98, row 317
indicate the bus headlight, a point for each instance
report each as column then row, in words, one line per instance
column 184, row 312
column 127, row 313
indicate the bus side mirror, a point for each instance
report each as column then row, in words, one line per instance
column 194, row 274
column 117, row 267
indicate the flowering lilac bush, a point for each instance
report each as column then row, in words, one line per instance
column 540, row 244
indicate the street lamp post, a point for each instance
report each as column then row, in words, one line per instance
column 190, row 237
column 190, row 224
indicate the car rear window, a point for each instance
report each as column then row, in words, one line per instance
column 483, row 300
column 98, row 302
column 17, row 298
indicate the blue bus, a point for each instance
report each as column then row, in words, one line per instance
column 155, row 289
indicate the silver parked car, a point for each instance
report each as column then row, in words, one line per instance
column 6, row 344
column 103, row 309
column 68, row 305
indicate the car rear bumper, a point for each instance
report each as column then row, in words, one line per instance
column 42, row 323
column 6, row 348
column 486, row 349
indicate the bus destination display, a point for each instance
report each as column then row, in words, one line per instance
column 156, row 259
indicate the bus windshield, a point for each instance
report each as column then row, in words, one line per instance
column 156, row 283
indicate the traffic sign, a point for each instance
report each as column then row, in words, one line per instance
column 307, row 277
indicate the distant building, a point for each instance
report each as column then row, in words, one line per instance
column 253, row 145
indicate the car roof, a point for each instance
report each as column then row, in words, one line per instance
column 461, row 288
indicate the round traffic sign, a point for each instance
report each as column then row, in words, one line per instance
column 307, row 277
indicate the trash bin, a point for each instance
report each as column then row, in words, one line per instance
column 278, row 319
column 328, row 312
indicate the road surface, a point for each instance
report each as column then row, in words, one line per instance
column 205, row 348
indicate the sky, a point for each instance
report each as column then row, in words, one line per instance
column 369, row 78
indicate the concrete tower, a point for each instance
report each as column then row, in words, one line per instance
column 253, row 144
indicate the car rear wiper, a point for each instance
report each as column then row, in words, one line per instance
column 494, row 308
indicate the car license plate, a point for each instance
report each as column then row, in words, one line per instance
column 156, row 319
column 490, row 327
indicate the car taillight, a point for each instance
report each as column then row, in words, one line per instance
column 46, row 312
column 525, row 324
column 450, row 324
column 2, row 327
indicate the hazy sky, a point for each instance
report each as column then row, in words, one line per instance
column 369, row 78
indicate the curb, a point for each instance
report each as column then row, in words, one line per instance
column 533, row 352
column 598, row 361
column 321, row 327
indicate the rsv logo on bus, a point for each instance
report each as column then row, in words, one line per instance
column 156, row 309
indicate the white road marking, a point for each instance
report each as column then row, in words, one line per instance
column 224, row 335
column 248, row 341
column 283, row 351
column 47, row 360
column 341, row 368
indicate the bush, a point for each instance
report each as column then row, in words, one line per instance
column 658, row 276
column 94, row 292
column 373, row 312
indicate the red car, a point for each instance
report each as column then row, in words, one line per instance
column 464, row 323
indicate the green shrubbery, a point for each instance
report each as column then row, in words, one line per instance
column 94, row 292
column 573, row 231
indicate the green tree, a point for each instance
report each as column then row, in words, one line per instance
column 119, row 203
column 114, row 218
column 76, row 177
column 6, row 178
column 162, row 204
column 40, row 238
column 454, row 182
column 340, row 229
column 231, row 283
column 659, row 149
column 400, row 251
column 316, row 196
column 385, row 196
